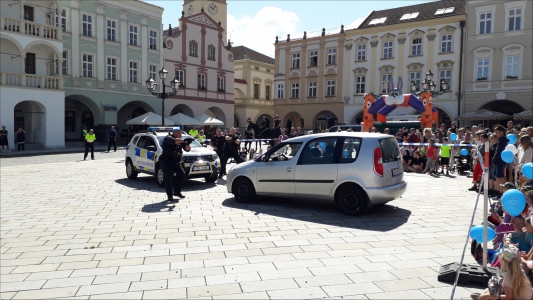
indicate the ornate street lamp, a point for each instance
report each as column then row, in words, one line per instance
column 151, row 85
column 428, row 85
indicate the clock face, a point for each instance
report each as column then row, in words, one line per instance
column 212, row 9
column 190, row 10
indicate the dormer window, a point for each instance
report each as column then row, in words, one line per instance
column 408, row 17
column 377, row 21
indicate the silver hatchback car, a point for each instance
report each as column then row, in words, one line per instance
column 356, row 170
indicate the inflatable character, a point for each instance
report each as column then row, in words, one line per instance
column 368, row 119
column 430, row 115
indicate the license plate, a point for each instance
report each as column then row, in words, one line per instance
column 203, row 168
column 396, row 171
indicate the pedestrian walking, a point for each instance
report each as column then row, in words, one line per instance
column 112, row 139
column 21, row 139
column 4, row 139
column 231, row 150
column 173, row 172
column 89, row 144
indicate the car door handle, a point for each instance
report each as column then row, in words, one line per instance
column 289, row 169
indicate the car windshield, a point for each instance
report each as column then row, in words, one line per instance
column 194, row 144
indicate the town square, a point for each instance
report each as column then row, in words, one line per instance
column 223, row 149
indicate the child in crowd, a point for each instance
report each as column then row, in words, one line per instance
column 407, row 160
column 418, row 163
column 515, row 284
column 445, row 155
column 243, row 154
column 432, row 157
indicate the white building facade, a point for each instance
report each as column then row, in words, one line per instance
column 405, row 42
column 196, row 53
column 31, row 88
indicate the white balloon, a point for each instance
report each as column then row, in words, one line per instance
column 512, row 148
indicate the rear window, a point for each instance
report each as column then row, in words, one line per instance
column 389, row 150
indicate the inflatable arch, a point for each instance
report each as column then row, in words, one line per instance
column 384, row 105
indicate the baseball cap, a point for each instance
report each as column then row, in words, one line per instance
column 509, row 185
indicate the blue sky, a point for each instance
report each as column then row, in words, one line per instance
column 255, row 24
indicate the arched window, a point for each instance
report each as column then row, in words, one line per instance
column 193, row 48
column 211, row 52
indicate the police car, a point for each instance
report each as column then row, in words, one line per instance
column 144, row 150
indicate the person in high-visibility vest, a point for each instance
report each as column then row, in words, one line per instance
column 89, row 144
column 193, row 132
column 201, row 137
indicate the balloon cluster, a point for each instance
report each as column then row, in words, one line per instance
column 510, row 150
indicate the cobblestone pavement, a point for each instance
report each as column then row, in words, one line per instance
column 81, row 229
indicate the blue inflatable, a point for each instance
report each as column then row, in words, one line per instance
column 512, row 138
column 453, row 136
column 464, row 152
column 508, row 156
column 513, row 202
column 345, row 153
column 527, row 170
column 476, row 233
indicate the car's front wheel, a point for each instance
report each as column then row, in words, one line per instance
column 211, row 178
column 243, row 190
column 160, row 176
column 130, row 170
column 351, row 200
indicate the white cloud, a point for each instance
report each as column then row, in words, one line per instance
column 259, row 32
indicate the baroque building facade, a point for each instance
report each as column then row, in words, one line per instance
column 405, row 42
column 254, row 80
column 498, row 73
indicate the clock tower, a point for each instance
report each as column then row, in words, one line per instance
column 216, row 9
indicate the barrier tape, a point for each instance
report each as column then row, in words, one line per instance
column 436, row 144
column 248, row 140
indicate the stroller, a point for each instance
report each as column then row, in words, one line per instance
column 461, row 165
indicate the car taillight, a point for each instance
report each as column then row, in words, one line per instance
column 378, row 163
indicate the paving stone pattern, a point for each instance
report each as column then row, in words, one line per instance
column 75, row 229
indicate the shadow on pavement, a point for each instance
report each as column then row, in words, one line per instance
column 149, row 183
column 380, row 218
column 164, row 206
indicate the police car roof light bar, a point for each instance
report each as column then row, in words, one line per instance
column 164, row 128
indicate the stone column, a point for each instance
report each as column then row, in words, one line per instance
column 322, row 56
column 202, row 46
column 431, row 34
column 287, row 71
column 401, row 58
column 374, row 73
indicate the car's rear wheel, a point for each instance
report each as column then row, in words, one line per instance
column 243, row 190
column 160, row 176
column 211, row 178
column 130, row 170
column 351, row 200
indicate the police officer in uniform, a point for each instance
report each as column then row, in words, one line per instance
column 231, row 150
column 249, row 136
column 173, row 172
column 217, row 143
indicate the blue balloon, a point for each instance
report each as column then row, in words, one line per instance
column 453, row 136
column 527, row 170
column 508, row 156
column 464, row 152
column 512, row 138
column 513, row 202
column 323, row 145
column 476, row 233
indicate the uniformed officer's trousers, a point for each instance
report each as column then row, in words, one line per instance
column 224, row 161
column 173, row 183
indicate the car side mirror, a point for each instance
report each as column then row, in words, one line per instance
column 204, row 145
column 151, row 148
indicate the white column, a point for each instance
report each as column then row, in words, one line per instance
column 124, row 49
column 75, row 28
column 100, row 37
column 145, row 40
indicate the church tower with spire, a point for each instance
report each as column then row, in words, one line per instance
column 216, row 9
